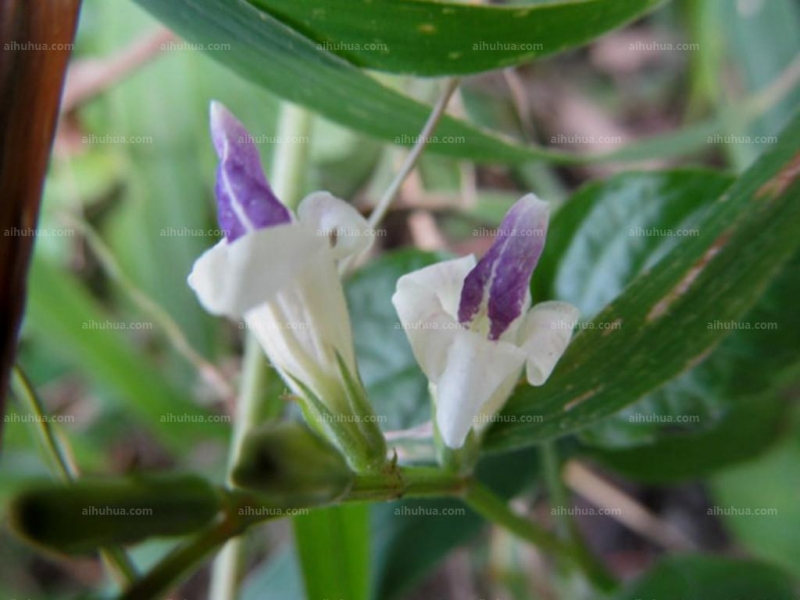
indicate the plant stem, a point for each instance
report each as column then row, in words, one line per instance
column 287, row 176
column 556, row 489
column 410, row 162
column 496, row 510
column 396, row 482
column 399, row 482
column 566, row 526
column 291, row 157
column 61, row 463
column 406, row 482
column 60, row 456
column 178, row 562
column 493, row 508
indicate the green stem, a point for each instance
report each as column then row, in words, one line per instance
column 59, row 455
column 566, row 526
column 178, row 562
column 399, row 482
column 406, row 482
column 288, row 172
column 61, row 464
column 555, row 487
column 496, row 510
column 287, row 177
column 396, row 482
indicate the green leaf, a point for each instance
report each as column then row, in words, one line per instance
column 427, row 38
column 304, row 74
column 746, row 378
column 333, row 546
column 612, row 230
column 395, row 384
column 706, row 578
column 771, row 486
column 661, row 321
column 247, row 39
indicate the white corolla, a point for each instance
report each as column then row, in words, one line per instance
column 471, row 327
column 278, row 272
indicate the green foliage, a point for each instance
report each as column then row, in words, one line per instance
column 663, row 316
column 427, row 38
column 333, row 547
column 668, row 326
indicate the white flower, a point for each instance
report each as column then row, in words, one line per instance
column 279, row 273
column 471, row 327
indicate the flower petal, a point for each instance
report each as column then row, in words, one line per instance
column 245, row 202
column 498, row 285
column 305, row 325
column 426, row 301
column 476, row 369
column 544, row 336
column 232, row 278
column 342, row 225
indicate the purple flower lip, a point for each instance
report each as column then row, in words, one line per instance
column 498, row 285
column 245, row 201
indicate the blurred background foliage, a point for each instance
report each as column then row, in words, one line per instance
column 108, row 293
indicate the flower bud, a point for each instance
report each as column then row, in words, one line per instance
column 291, row 466
column 87, row 515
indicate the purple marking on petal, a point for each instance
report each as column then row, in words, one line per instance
column 244, row 199
column 502, row 277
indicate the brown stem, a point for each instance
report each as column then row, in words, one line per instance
column 36, row 38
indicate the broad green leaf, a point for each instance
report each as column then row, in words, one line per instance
column 395, row 384
column 245, row 39
column 612, row 230
column 422, row 37
column 333, row 547
column 758, row 504
column 661, row 321
column 746, row 377
column 62, row 314
column 264, row 50
column 707, row 578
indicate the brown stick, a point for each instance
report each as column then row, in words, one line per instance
column 35, row 44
